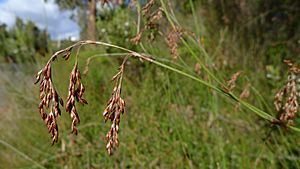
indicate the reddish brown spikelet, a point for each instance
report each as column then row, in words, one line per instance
column 246, row 92
column 232, row 82
column 197, row 68
column 278, row 100
column 67, row 55
column 292, row 67
column 49, row 97
column 151, row 24
column 172, row 39
column 115, row 107
column 154, row 18
column 244, row 95
column 288, row 109
column 135, row 40
column 147, row 7
column 76, row 91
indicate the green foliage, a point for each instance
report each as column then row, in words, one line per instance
column 270, row 22
column 23, row 42
column 70, row 4
column 115, row 26
column 169, row 122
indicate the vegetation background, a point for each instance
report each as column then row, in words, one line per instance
column 170, row 121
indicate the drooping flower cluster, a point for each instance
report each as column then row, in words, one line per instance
column 115, row 107
column 49, row 99
column 76, row 91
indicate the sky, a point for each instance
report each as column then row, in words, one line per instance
column 44, row 15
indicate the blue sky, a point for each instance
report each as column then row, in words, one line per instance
column 44, row 15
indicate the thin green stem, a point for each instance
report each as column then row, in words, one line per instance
column 194, row 16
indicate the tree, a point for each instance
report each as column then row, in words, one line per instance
column 92, row 20
column 90, row 7
column 84, row 5
column 23, row 42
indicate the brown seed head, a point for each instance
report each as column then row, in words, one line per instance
column 172, row 39
column 232, row 82
column 135, row 40
column 290, row 91
column 76, row 91
column 115, row 107
column 48, row 97
column 197, row 69
column 152, row 22
column 147, row 7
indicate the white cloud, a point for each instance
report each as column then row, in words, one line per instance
column 44, row 15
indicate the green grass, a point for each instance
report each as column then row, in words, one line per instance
column 170, row 122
